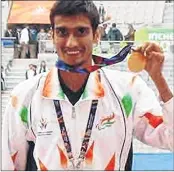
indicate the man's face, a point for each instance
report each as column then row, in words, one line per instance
column 73, row 38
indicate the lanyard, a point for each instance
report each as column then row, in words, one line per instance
column 86, row 137
column 99, row 62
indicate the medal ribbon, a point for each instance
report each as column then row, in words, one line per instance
column 99, row 62
column 87, row 135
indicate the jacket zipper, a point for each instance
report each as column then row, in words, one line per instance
column 73, row 115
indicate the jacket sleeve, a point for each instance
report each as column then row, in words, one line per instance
column 109, row 35
column 16, row 127
column 120, row 36
column 14, row 143
column 153, row 122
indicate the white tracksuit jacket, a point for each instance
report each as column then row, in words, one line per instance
column 132, row 109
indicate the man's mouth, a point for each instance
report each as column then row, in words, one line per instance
column 72, row 52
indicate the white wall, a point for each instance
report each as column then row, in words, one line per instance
column 5, row 7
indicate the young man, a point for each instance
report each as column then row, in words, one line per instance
column 24, row 42
column 85, row 121
column 8, row 33
column 114, row 33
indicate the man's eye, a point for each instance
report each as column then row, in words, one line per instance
column 61, row 32
column 82, row 31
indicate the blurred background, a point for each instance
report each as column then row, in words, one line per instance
column 122, row 23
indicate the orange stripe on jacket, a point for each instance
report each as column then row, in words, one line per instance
column 111, row 164
column 48, row 85
column 42, row 166
column 63, row 158
column 99, row 90
column 89, row 154
column 13, row 157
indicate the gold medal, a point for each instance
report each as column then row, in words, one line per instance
column 136, row 62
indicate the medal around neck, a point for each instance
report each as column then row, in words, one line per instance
column 136, row 62
column 99, row 62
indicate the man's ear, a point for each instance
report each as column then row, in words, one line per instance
column 97, row 36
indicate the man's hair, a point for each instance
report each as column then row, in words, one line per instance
column 76, row 7
column 113, row 24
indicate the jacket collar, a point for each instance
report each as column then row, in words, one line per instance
column 52, row 88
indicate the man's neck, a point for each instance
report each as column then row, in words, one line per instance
column 75, row 81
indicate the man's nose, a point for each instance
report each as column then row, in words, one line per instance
column 71, row 41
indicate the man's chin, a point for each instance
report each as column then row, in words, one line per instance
column 76, row 63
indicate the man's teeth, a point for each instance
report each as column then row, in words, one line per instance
column 72, row 52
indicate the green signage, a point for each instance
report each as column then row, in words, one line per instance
column 160, row 34
column 163, row 36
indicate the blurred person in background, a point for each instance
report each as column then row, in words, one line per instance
column 114, row 33
column 17, row 46
column 49, row 35
column 31, row 72
column 8, row 32
column 33, row 43
column 130, row 35
column 35, row 69
column 24, row 42
column 42, row 68
column 42, row 35
column 3, row 83
column 104, row 36
column 102, row 13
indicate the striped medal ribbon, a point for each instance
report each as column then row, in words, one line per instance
column 99, row 62
column 76, row 164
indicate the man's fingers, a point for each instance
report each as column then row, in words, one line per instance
column 149, row 47
column 152, row 47
column 143, row 49
column 156, row 56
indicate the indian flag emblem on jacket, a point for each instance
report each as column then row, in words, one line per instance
column 106, row 122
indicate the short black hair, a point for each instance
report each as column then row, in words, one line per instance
column 76, row 7
column 113, row 24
